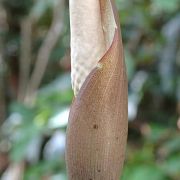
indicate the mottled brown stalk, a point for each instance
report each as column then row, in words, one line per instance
column 97, row 129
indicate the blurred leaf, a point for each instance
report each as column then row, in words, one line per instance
column 130, row 64
column 172, row 145
column 40, row 7
column 165, row 5
column 21, row 140
column 156, row 133
column 44, row 168
column 27, row 113
column 143, row 172
column 172, row 165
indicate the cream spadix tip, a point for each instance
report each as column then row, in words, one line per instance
column 92, row 30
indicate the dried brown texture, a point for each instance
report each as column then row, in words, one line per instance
column 97, row 129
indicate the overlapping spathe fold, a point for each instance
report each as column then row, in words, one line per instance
column 97, row 128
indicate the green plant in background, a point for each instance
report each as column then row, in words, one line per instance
column 153, row 66
column 158, row 156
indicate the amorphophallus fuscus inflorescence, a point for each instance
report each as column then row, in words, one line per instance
column 97, row 128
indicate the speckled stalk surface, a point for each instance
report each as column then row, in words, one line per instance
column 97, row 128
